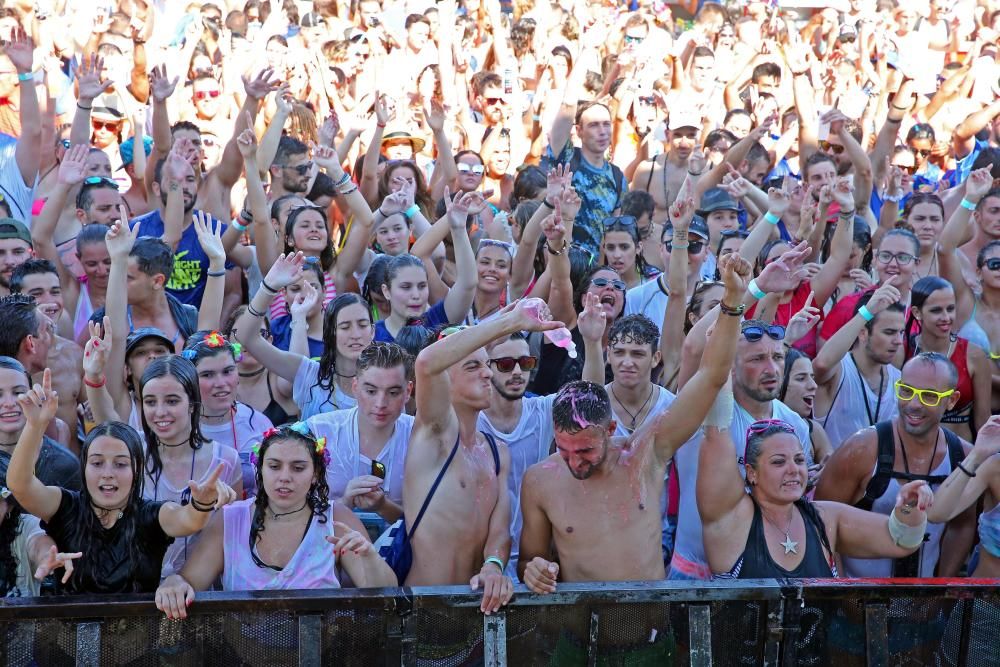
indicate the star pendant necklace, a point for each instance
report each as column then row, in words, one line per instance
column 791, row 547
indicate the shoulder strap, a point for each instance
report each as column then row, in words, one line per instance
column 496, row 453
column 883, row 468
column 956, row 452
column 618, row 177
column 434, row 486
column 652, row 170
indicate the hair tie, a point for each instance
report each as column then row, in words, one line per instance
column 189, row 354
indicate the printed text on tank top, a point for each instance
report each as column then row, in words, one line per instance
column 872, row 418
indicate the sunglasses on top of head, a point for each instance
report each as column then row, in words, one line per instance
column 755, row 332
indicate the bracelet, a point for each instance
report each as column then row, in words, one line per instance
column 412, row 211
column 546, row 204
column 496, row 561
column 351, row 190
column 380, row 211
column 263, row 283
column 246, row 216
column 895, row 199
column 771, row 218
column 899, row 108
column 680, row 246
column 217, row 274
column 847, row 214
column 83, row 108
column 967, row 205
column 239, row 226
column 346, row 177
column 204, row 508
column 696, row 173
column 907, row 537
column 962, row 468
column 95, row 385
column 26, row 76
column 381, row 126
column 893, row 120
column 557, row 252
column 755, row 290
column 729, row 310
column 865, row 313
column 253, row 311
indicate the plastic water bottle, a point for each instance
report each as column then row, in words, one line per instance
column 560, row 337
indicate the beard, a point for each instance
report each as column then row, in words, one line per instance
column 511, row 395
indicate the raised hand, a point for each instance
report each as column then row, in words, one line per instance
column 20, row 50
column 681, row 213
column 286, row 270
column 435, row 115
column 178, row 167
column 303, row 302
column 120, row 238
column 862, row 280
column 540, row 575
column 569, row 204
column 912, row 502
column 247, row 144
column 88, row 79
column 462, row 206
column 843, row 193
column 364, row 492
column 383, row 110
column 160, row 86
column 262, row 85
column 497, row 587
column 328, row 131
column 988, row 439
column 533, row 315
column 555, row 181
column 886, row 295
column 836, row 119
column 979, row 183
column 591, row 322
column 95, row 354
column 350, row 542
column 174, row 596
column 697, row 162
column 807, row 216
column 802, row 322
column 207, row 491
column 283, row 101
column 736, row 273
column 394, row 202
column 327, row 158
column 785, row 273
column 209, row 237
column 40, row 403
column 54, row 560
column 74, row 162
column 778, row 201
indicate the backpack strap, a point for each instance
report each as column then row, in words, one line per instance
column 496, row 452
column 434, row 486
column 883, row 467
column 616, row 174
column 956, row 452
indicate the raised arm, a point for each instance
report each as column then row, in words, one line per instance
column 558, row 230
column 562, row 126
column 39, row 406
column 162, row 88
column 463, row 292
column 210, row 239
column 272, row 135
column 120, row 239
column 95, row 363
column 523, row 267
column 89, row 87
column 966, row 484
column 672, row 328
column 862, row 182
column 369, row 166
column 958, row 231
column 591, row 325
column 257, row 88
column 825, row 282
column 211, row 492
column 719, row 487
column 27, row 154
column 886, row 138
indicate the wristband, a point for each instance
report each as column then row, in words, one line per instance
column 679, row 246
column 755, row 290
column 263, row 283
column 865, row 313
column 736, row 311
column 771, row 218
column 253, row 311
column 217, row 274
column 967, row 205
column 962, row 468
column 95, row 385
column 847, row 215
column 381, row 126
column 26, row 76
column 83, row 108
column 496, row 561
column 546, row 204
column 343, row 179
column 412, row 211
column 240, row 227
column 245, row 216
column 204, row 508
column 557, row 252
column 907, row 537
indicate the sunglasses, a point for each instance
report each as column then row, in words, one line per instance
column 993, row 264
column 906, row 168
column 301, row 169
column 902, row 258
column 768, row 424
column 755, row 332
column 100, row 180
column 485, row 243
column 694, row 247
column 922, row 152
column 106, row 125
column 506, row 364
column 476, row 169
column 827, row 147
column 203, row 94
column 604, row 282
column 631, row 39
column 493, row 101
column 451, row 330
column 620, row 221
column 927, row 397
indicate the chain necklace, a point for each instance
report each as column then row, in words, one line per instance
column 791, row 547
column 635, row 416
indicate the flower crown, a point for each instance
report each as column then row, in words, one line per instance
column 214, row 340
column 299, row 428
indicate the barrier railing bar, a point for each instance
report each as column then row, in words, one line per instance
column 595, row 621
column 775, row 614
column 310, row 640
column 495, row 640
column 790, row 627
column 966, row 632
column 408, row 641
column 700, row 635
column 88, row 644
column 392, row 656
column 876, row 635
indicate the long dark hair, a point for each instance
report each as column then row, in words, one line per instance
column 87, row 519
column 633, row 233
column 206, row 344
column 327, row 376
column 184, row 372
column 318, row 497
column 791, row 356
column 329, row 255
column 9, row 531
column 919, row 293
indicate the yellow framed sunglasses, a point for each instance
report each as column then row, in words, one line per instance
column 927, row 397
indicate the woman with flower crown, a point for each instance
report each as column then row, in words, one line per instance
column 283, row 538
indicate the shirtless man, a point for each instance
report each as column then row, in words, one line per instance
column 465, row 534
column 606, row 499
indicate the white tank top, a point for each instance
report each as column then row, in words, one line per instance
column 848, row 413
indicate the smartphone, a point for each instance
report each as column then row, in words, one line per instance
column 378, row 469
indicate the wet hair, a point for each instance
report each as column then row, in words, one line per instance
column 422, row 196
column 936, row 359
column 761, row 260
column 765, row 69
column 10, row 528
column 791, row 356
column 756, row 438
column 524, row 211
column 91, row 234
column 697, row 300
column 203, row 345
column 128, row 525
column 866, row 297
column 326, row 378
column 185, row 373
column 989, row 156
column 906, row 234
column 994, row 192
column 276, row 205
column 152, row 256
column 318, row 497
column 33, row 266
column 529, row 183
column 863, row 239
column 715, row 136
column 19, row 314
column 635, row 328
column 633, row 233
column 184, row 125
column 328, row 255
column 385, row 355
column 580, row 405
column 376, row 277
column 984, row 251
column 414, row 337
column 397, row 264
column 918, row 198
column 85, row 198
column 919, row 293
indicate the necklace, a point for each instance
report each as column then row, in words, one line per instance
column 635, row 416
column 791, row 547
column 105, row 511
column 864, row 391
column 341, row 375
column 906, row 462
column 253, row 374
column 276, row 516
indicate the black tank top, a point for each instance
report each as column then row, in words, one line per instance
column 756, row 562
column 274, row 411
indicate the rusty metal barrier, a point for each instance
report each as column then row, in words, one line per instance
column 764, row 622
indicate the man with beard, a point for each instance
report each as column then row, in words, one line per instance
column 15, row 249
column 603, row 498
column 854, row 370
column 870, row 466
column 525, row 424
column 291, row 169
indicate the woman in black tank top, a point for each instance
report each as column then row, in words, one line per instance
column 773, row 531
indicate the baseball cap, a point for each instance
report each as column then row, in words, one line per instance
column 683, row 118
column 144, row 333
column 127, row 149
column 697, row 228
column 716, row 199
column 14, row 229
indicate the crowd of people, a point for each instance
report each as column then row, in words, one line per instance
column 279, row 276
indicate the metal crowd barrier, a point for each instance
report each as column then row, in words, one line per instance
column 763, row 622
